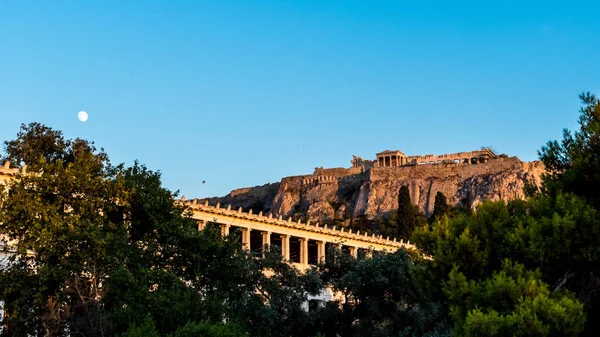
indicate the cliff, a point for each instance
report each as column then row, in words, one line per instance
column 354, row 192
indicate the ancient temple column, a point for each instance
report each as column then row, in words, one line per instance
column 353, row 251
column 225, row 230
column 266, row 242
column 321, row 251
column 201, row 225
column 303, row 250
column 266, row 239
column 246, row 238
column 285, row 247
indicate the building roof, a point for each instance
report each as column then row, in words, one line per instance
column 391, row 152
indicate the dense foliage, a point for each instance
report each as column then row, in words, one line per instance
column 102, row 250
column 527, row 267
column 440, row 207
column 379, row 296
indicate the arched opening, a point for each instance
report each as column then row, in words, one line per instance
column 473, row 160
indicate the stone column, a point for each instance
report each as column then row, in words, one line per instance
column 321, row 251
column 266, row 239
column 225, row 230
column 246, row 238
column 303, row 250
column 353, row 251
column 266, row 242
column 201, row 225
column 285, row 247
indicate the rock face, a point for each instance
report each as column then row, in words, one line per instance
column 350, row 193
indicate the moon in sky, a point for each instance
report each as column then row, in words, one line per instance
column 82, row 115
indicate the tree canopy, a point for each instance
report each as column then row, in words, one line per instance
column 103, row 250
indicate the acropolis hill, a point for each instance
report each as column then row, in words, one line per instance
column 370, row 187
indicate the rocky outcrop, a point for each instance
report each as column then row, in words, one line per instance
column 351, row 193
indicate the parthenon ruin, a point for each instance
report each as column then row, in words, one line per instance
column 397, row 158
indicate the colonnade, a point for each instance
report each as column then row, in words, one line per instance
column 309, row 251
column 398, row 158
column 301, row 243
column 396, row 161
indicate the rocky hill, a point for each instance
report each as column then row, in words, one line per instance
column 346, row 193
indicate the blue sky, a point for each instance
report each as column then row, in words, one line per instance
column 241, row 93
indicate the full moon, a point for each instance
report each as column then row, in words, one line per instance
column 82, row 115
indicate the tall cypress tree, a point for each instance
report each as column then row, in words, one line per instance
column 440, row 207
column 407, row 214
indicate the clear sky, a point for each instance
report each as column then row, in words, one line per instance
column 241, row 93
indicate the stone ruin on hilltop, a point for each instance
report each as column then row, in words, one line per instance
column 389, row 158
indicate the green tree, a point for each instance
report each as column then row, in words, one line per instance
column 102, row 248
column 440, row 206
column 574, row 162
column 208, row 329
column 555, row 235
column 273, row 307
column 407, row 217
column 63, row 217
column 512, row 302
column 381, row 297
column 573, row 165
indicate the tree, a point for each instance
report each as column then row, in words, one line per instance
column 63, row 219
column 102, row 248
column 574, row 163
column 382, row 297
column 512, row 302
column 274, row 306
column 408, row 216
column 440, row 206
column 476, row 257
column 574, row 167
